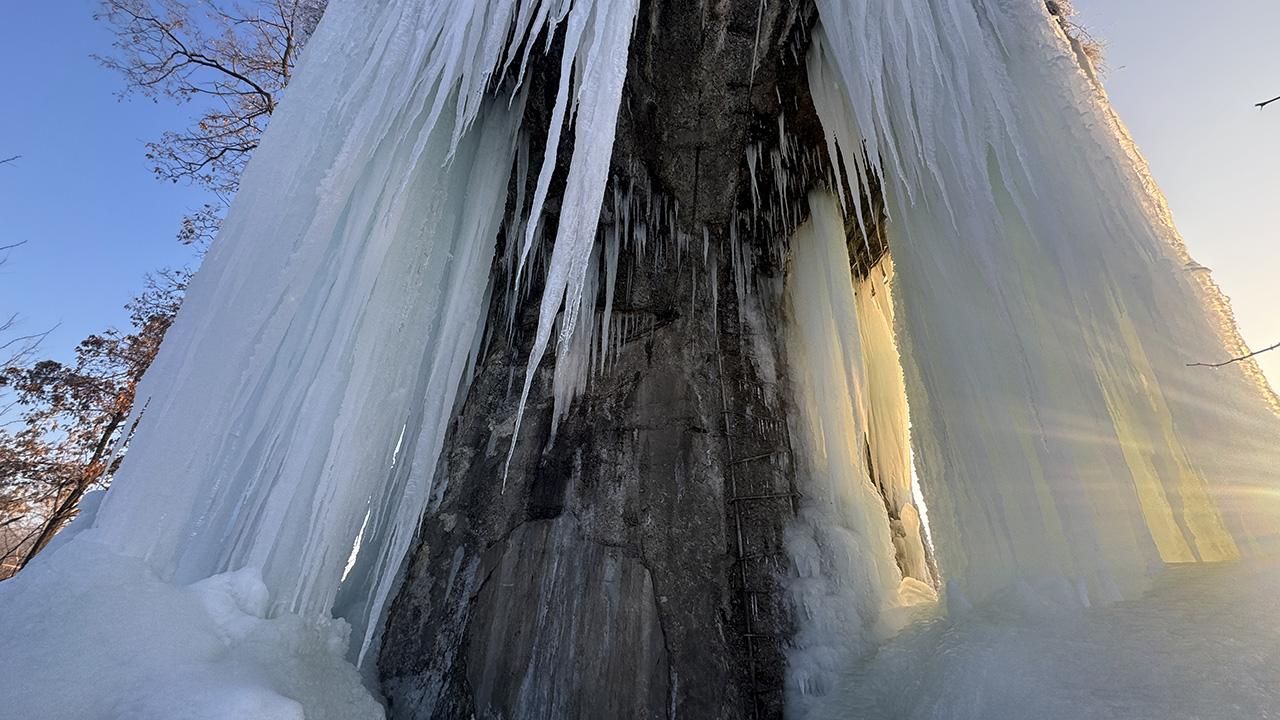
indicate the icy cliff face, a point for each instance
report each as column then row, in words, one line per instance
column 299, row 407
column 292, row 421
column 1043, row 306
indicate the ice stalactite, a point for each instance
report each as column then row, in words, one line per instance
column 601, row 30
column 1043, row 306
column 848, row 576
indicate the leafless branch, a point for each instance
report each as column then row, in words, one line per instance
column 1224, row 363
column 1265, row 103
column 233, row 58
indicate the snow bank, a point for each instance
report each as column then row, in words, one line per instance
column 1201, row 644
column 91, row 634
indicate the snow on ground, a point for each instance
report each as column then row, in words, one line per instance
column 117, row 643
column 1202, row 644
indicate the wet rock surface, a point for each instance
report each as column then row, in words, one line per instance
column 615, row 572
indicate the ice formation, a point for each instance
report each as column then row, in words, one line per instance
column 849, row 432
column 309, row 381
column 1041, row 302
column 1044, row 313
column 294, row 417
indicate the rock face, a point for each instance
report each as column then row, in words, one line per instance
column 522, row 656
column 630, row 566
column 604, row 580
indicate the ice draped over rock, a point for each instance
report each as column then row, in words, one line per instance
column 1045, row 307
column 299, row 405
column 289, row 431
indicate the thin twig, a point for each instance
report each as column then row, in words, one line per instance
column 1237, row 359
column 1265, row 103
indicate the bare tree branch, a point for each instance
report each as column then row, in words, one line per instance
column 1224, row 363
column 1265, row 103
column 234, row 58
column 9, row 160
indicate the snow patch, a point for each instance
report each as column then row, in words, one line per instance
column 91, row 634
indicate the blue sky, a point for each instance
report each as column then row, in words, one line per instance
column 82, row 196
column 1182, row 73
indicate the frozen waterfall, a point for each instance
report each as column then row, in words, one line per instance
column 1044, row 312
column 1034, row 337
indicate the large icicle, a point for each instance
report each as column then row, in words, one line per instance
column 841, row 544
column 605, row 32
column 1045, row 313
column 296, row 412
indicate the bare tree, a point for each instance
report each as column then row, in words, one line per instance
column 232, row 59
column 71, row 416
column 15, row 349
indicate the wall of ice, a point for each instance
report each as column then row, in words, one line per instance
column 288, row 432
column 855, row 567
column 1045, row 306
column 300, row 403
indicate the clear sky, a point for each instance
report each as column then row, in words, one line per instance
column 82, row 196
column 1182, row 73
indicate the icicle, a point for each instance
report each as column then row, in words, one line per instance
column 612, row 243
column 603, row 69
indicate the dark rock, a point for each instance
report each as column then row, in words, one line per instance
column 630, row 566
